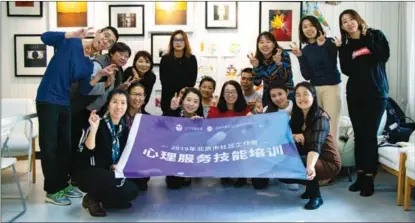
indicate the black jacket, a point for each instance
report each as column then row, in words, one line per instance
column 147, row 81
column 364, row 61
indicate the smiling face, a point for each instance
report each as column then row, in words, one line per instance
column 178, row 42
column 117, row 106
column 120, row 58
column 247, row 82
column 230, row 94
column 265, row 46
column 303, row 98
column 279, row 97
column 349, row 24
column 104, row 40
column 308, row 29
column 142, row 65
column 191, row 103
column 206, row 89
column 137, row 96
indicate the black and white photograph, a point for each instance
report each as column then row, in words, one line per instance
column 128, row 19
column 221, row 15
column 31, row 55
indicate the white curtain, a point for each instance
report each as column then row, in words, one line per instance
column 410, row 62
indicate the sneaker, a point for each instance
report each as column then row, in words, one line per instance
column 58, row 198
column 72, row 192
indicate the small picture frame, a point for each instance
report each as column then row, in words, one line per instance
column 159, row 45
column 221, row 15
column 31, row 55
column 25, row 9
column 127, row 19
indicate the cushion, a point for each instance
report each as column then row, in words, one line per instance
column 389, row 156
column 18, row 144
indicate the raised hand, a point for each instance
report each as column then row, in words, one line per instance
column 109, row 70
column 337, row 42
column 175, row 101
column 277, row 57
column 321, row 39
column 296, row 50
column 81, row 33
column 135, row 74
column 94, row 120
column 124, row 86
column 254, row 61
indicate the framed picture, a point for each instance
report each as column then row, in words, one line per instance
column 221, row 15
column 281, row 19
column 70, row 16
column 159, row 45
column 169, row 16
column 25, row 9
column 31, row 55
column 128, row 19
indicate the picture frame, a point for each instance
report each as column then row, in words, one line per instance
column 170, row 16
column 159, row 44
column 25, row 9
column 281, row 19
column 31, row 55
column 55, row 17
column 221, row 15
column 127, row 19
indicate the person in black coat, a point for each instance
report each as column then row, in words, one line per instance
column 99, row 151
column 142, row 70
column 178, row 68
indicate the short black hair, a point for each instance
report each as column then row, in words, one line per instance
column 267, row 94
column 146, row 55
column 208, row 79
column 199, row 111
column 247, row 70
column 111, row 94
column 120, row 47
column 113, row 30
column 240, row 104
column 314, row 21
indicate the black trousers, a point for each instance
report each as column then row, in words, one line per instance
column 55, row 144
column 177, row 182
column 101, row 185
column 312, row 186
column 365, row 116
column 79, row 121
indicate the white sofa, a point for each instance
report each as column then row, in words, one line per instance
column 409, row 173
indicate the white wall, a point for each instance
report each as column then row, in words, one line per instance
column 375, row 13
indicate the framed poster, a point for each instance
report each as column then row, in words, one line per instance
column 25, row 9
column 31, row 55
column 127, row 19
column 159, row 45
column 221, row 15
column 281, row 19
column 170, row 16
column 70, row 16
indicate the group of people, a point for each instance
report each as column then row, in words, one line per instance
column 86, row 106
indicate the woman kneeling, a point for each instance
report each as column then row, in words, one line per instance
column 99, row 152
column 317, row 148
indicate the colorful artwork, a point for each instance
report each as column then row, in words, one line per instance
column 280, row 24
column 72, row 14
column 231, row 71
column 313, row 8
column 171, row 13
column 126, row 20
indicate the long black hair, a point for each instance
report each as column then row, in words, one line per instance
column 199, row 111
column 270, row 37
column 314, row 21
column 297, row 117
column 279, row 85
column 240, row 104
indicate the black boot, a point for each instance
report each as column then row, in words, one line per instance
column 314, row 203
column 368, row 186
column 357, row 185
column 93, row 206
column 305, row 195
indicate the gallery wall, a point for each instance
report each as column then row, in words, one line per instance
column 248, row 25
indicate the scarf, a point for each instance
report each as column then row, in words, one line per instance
column 115, row 135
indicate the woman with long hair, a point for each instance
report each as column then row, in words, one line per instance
column 178, row 68
column 310, row 126
column 363, row 56
column 271, row 63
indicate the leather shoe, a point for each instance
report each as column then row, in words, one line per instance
column 314, row 203
column 357, row 185
column 305, row 195
column 94, row 207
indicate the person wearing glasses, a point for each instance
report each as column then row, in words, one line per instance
column 178, row 68
column 82, row 105
column 142, row 71
column 70, row 63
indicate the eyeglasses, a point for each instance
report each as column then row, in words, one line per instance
column 230, row 92
column 125, row 55
column 138, row 95
column 107, row 38
column 178, row 40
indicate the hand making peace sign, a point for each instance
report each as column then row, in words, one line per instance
column 277, row 57
column 337, row 42
column 321, row 39
column 254, row 61
column 296, row 50
column 175, row 101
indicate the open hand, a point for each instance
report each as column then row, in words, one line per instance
column 296, row 50
column 254, row 61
